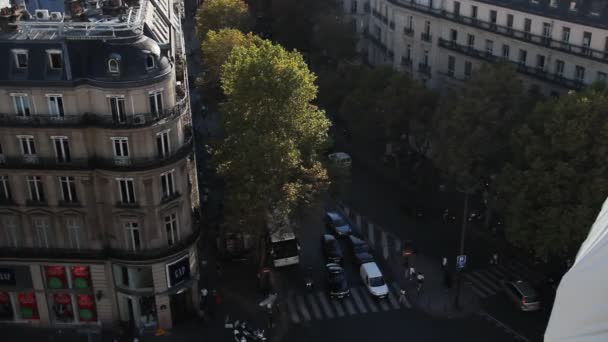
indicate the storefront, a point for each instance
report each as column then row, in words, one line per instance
column 135, row 294
column 70, row 296
column 179, row 282
column 17, row 296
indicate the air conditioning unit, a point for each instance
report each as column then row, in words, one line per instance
column 56, row 16
column 42, row 14
column 139, row 119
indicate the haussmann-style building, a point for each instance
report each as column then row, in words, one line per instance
column 99, row 205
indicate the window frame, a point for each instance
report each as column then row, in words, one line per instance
column 120, row 147
column 163, row 143
column 150, row 57
column 129, row 192
column 172, row 230
column 30, row 142
column 38, row 223
column 50, row 54
column 21, row 104
column 74, row 228
column 21, row 52
column 167, row 184
column 113, row 65
column 67, row 185
column 5, row 188
column 9, row 225
column 56, row 109
column 61, row 146
column 36, row 188
column 156, row 101
column 131, row 228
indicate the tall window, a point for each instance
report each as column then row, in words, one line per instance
column 559, row 68
column 427, row 27
column 527, row 25
column 28, row 148
column 5, row 190
column 505, row 51
column 56, row 106
column 121, row 150
column 540, row 62
column 565, row 34
column 74, row 229
column 163, row 145
column 117, row 106
column 493, row 16
column 167, row 184
column 171, row 229
column 425, row 58
column 42, row 227
column 474, row 12
column 55, row 59
column 510, row 20
column 453, row 35
column 547, row 30
column 468, row 69
column 34, row 184
column 523, row 55
column 127, row 191
column 9, row 233
column 586, row 42
column 451, row 65
column 471, row 41
column 68, row 189
column 133, row 236
column 489, row 47
column 156, row 102
column 22, row 105
column 410, row 22
column 579, row 74
column 456, row 8
column 62, row 149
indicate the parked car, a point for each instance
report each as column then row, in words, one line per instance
column 341, row 159
column 336, row 281
column 331, row 249
column 522, row 294
column 362, row 252
column 373, row 280
column 337, row 224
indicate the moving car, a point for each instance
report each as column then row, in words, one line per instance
column 341, row 159
column 362, row 252
column 331, row 249
column 522, row 294
column 337, row 224
column 336, row 280
column 373, row 280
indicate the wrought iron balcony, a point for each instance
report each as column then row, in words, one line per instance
column 427, row 37
column 579, row 50
column 408, row 31
column 93, row 119
column 135, row 163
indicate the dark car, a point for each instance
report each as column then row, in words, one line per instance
column 337, row 224
column 336, row 281
column 362, row 252
column 331, row 248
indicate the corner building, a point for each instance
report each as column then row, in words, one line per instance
column 555, row 45
column 99, row 209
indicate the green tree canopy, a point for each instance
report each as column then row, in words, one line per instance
column 215, row 50
column 555, row 186
column 219, row 14
column 269, row 157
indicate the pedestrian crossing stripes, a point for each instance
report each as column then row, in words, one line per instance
column 487, row 282
column 320, row 306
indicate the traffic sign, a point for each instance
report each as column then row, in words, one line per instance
column 461, row 261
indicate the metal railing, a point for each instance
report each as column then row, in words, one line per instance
column 538, row 73
column 579, row 50
column 109, row 163
column 94, row 119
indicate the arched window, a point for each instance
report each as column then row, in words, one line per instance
column 149, row 62
column 113, row 66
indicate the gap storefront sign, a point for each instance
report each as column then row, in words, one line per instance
column 178, row 271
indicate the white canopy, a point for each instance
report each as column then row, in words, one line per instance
column 580, row 312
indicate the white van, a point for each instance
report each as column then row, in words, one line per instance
column 373, row 280
column 340, row 158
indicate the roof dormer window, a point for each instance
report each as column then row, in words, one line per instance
column 113, row 66
column 20, row 59
column 149, row 62
column 55, row 60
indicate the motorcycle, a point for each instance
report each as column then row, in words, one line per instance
column 242, row 333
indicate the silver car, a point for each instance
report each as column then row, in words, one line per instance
column 523, row 295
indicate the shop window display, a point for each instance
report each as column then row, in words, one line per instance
column 86, row 308
column 81, row 277
column 148, row 310
column 72, row 303
column 6, row 308
column 28, row 309
column 62, row 308
column 56, row 277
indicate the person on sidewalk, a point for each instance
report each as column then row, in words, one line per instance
column 494, row 260
column 402, row 297
column 412, row 272
column 420, row 279
column 203, row 303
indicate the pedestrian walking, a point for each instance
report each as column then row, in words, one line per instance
column 203, row 303
column 444, row 262
column 412, row 272
column 402, row 297
column 270, row 314
column 420, row 279
column 494, row 259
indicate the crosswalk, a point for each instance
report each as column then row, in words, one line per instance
column 489, row 281
column 320, row 306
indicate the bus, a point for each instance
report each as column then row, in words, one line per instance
column 284, row 245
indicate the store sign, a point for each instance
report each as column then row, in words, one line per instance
column 81, row 277
column 55, row 277
column 7, row 277
column 86, row 308
column 27, row 305
column 178, row 271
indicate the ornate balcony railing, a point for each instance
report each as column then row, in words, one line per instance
column 135, row 163
column 541, row 40
column 538, row 73
column 93, row 119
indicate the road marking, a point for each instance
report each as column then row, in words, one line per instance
column 303, row 309
column 349, row 306
column 478, row 291
column 315, row 308
column 291, row 307
column 355, row 294
column 383, row 304
column 369, row 301
column 478, row 283
column 338, row 307
column 384, row 245
column 392, row 300
column 325, row 305
column 488, row 280
column 496, row 274
column 370, row 233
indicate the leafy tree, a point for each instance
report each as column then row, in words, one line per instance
column 215, row 50
column 553, row 189
column 269, row 156
column 334, row 38
column 219, row 14
column 336, row 84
